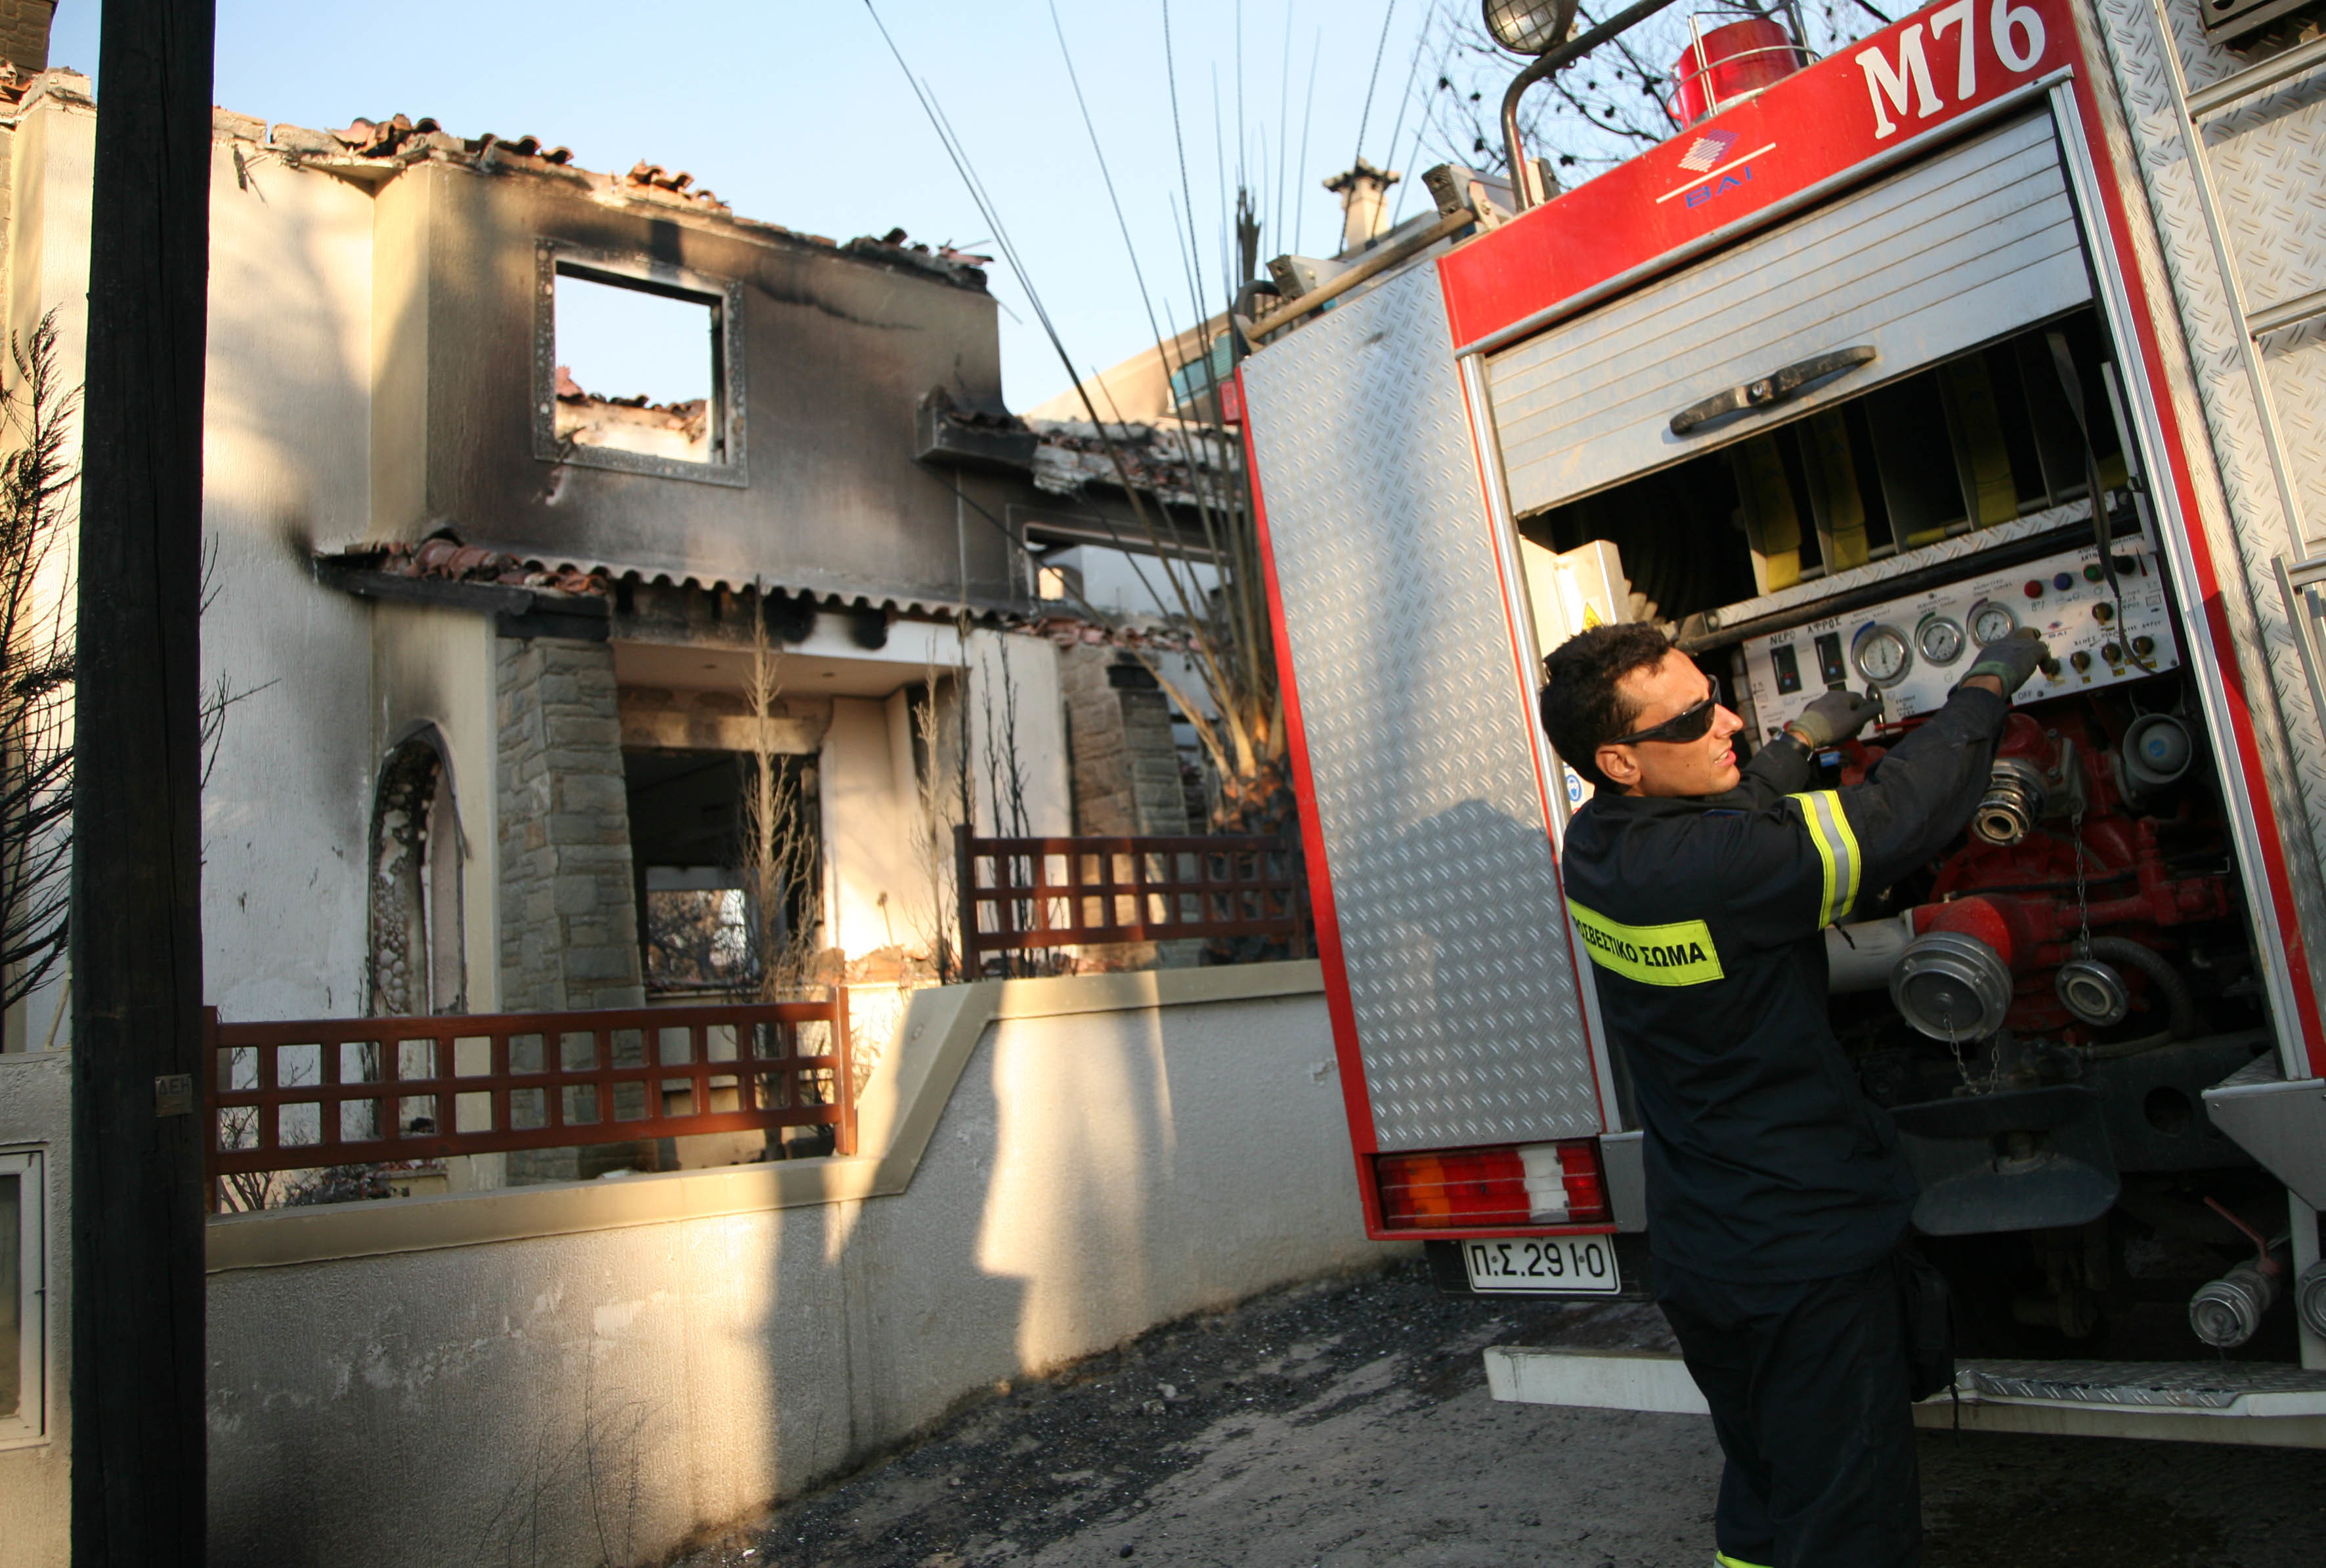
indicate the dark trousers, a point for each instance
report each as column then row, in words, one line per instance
column 1807, row 1382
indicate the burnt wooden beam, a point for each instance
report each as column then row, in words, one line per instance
column 139, row 1461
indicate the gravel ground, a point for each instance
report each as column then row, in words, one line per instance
column 1347, row 1425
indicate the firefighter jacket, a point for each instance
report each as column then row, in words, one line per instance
column 1704, row 918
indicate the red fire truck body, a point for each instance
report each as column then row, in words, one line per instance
column 1828, row 383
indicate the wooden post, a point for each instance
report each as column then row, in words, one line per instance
column 139, row 1465
column 965, row 863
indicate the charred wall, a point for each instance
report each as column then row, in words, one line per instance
column 838, row 346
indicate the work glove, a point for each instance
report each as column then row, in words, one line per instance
column 1836, row 716
column 2011, row 659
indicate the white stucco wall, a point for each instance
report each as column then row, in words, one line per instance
column 1040, row 728
column 1100, row 1164
column 869, row 804
column 433, row 667
column 868, row 792
column 286, row 457
column 36, row 1474
column 51, row 159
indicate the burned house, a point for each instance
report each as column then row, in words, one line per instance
column 493, row 647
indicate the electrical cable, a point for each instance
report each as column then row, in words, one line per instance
column 1365, row 118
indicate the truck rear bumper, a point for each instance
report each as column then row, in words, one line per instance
column 2172, row 1401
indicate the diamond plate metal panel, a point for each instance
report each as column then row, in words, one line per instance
column 2295, row 360
column 2269, row 173
column 2245, row 522
column 1420, row 752
column 2160, row 1384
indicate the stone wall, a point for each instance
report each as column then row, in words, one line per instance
column 25, row 35
column 1126, row 765
column 569, row 912
column 568, row 919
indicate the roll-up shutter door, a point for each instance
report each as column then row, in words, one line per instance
column 1942, row 256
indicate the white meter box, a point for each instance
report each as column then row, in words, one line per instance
column 1913, row 650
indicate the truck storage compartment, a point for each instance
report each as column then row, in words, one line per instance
column 2043, row 1007
column 1947, row 254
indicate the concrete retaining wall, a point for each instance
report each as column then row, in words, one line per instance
column 590, row 1373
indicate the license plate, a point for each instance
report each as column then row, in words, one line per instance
column 1546, row 1265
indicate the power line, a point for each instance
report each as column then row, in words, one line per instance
column 1388, row 12
column 1179, row 140
column 1283, row 123
column 1397, row 126
column 1308, row 116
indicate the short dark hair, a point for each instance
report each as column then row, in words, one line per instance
column 1582, row 708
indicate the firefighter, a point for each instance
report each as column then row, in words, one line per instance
column 1777, row 1196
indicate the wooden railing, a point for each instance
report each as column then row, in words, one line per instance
column 323, row 1093
column 1019, row 894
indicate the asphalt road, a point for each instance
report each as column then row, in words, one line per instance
column 1347, row 1425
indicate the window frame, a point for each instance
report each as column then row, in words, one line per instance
column 723, row 296
column 30, row 1425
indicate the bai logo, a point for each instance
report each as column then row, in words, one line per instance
column 1732, row 180
column 1706, row 151
column 1712, row 158
column 2014, row 32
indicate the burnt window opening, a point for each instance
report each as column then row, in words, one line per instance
column 418, row 961
column 637, row 366
column 705, row 923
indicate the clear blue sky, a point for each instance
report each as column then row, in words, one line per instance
column 796, row 113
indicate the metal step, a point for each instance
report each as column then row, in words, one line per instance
column 2222, row 1402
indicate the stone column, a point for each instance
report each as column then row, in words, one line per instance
column 1126, row 765
column 569, row 921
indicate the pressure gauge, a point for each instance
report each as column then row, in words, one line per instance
column 1991, row 622
column 1939, row 638
column 1881, row 656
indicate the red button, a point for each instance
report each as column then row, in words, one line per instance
column 2034, row 589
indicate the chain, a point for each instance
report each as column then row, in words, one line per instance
column 2083, row 904
column 1954, row 1044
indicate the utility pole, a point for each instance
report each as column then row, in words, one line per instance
column 139, row 1458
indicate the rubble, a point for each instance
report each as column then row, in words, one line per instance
column 680, row 430
column 371, row 149
column 444, row 558
column 1170, row 459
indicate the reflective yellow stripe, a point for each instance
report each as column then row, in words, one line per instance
column 1723, row 1560
column 1837, row 848
column 1679, row 954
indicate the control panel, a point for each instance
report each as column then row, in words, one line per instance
column 1914, row 649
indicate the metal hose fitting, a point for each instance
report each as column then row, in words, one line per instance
column 2310, row 1298
column 1952, row 987
column 2014, row 802
column 2224, row 1312
column 2093, row 991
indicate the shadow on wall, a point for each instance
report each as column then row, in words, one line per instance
column 599, row 1396
column 1086, row 1141
column 732, row 1361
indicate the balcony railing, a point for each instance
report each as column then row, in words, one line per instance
column 323, row 1093
column 1019, row 894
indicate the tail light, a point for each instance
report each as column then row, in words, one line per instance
column 1480, row 1189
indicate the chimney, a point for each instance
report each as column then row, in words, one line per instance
column 1364, row 191
column 25, row 35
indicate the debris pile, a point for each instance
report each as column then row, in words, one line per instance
column 444, row 557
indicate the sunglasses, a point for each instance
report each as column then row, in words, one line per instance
column 1689, row 724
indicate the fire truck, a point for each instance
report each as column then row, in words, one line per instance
column 2012, row 314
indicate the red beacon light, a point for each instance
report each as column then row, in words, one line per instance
column 1530, row 1185
column 1729, row 64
